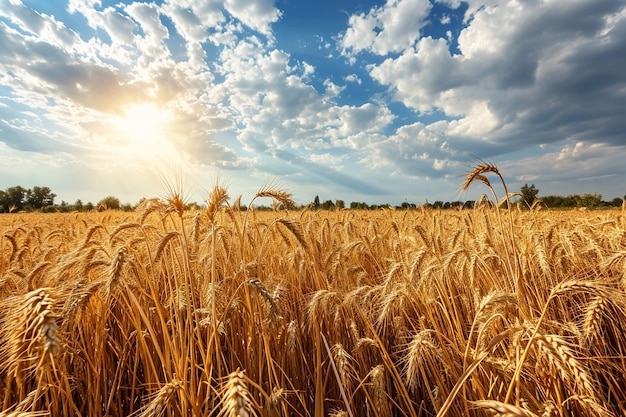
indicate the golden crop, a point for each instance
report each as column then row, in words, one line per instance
column 223, row 312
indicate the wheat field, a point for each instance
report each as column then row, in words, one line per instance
column 225, row 312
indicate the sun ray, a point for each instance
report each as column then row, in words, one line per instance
column 143, row 124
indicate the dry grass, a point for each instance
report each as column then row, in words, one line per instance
column 384, row 313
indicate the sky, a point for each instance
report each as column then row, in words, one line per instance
column 367, row 101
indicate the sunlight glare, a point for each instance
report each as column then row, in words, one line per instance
column 144, row 124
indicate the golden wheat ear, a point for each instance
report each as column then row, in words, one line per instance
column 503, row 409
column 477, row 174
column 30, row 336
column 219, row 197
column 163, row 398
column 235, row 397
column 176, row 194
column 273, row 191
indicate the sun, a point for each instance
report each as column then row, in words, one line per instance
column 143, row 124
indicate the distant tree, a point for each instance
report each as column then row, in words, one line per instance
column 189, row 206
column 469, row 204
column 110, row 203
column 456, row 204
column 15, row 198
column 328, row 205
column 4, row 202
column 358, row 206
column 39, row 197
column 438, row 204
column 316, row 202
column 78, row 205
column 64, row 207
column 529, row 194
column 89, row 206
column 590, row 200
column 616, row 202
column 340, row 204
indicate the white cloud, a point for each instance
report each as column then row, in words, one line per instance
column 420, row 76
column 332, row 89
column 453, row 4
column 529, row 73
column 118, row 26
column 152, row 43
column 256, row 14
column 353, row 78
column 389, row 28
column 479, row 122
column 42, row 25
column 366, row 118
column 327, row 159
column 188, row 24
column 575, row 164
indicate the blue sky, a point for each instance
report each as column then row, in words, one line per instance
column 375, row 101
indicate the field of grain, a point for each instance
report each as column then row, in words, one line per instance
column 224, row 312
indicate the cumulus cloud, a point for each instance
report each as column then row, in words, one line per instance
column 389, row 28
column 572, row 163
column 256, row 14
column 353, row 78
column 527, row 74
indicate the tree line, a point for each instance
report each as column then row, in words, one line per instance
column 18, row 199
column 525, row 198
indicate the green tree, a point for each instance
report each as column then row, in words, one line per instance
column 358, row 205
column 15, row 198
column 64, row 207
column 110, row 203
column 328, row 205
column 340, row 204
column 316, row 202
column 529, row 194
column 40, row 197
column 590, row 200
column 4, row 202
